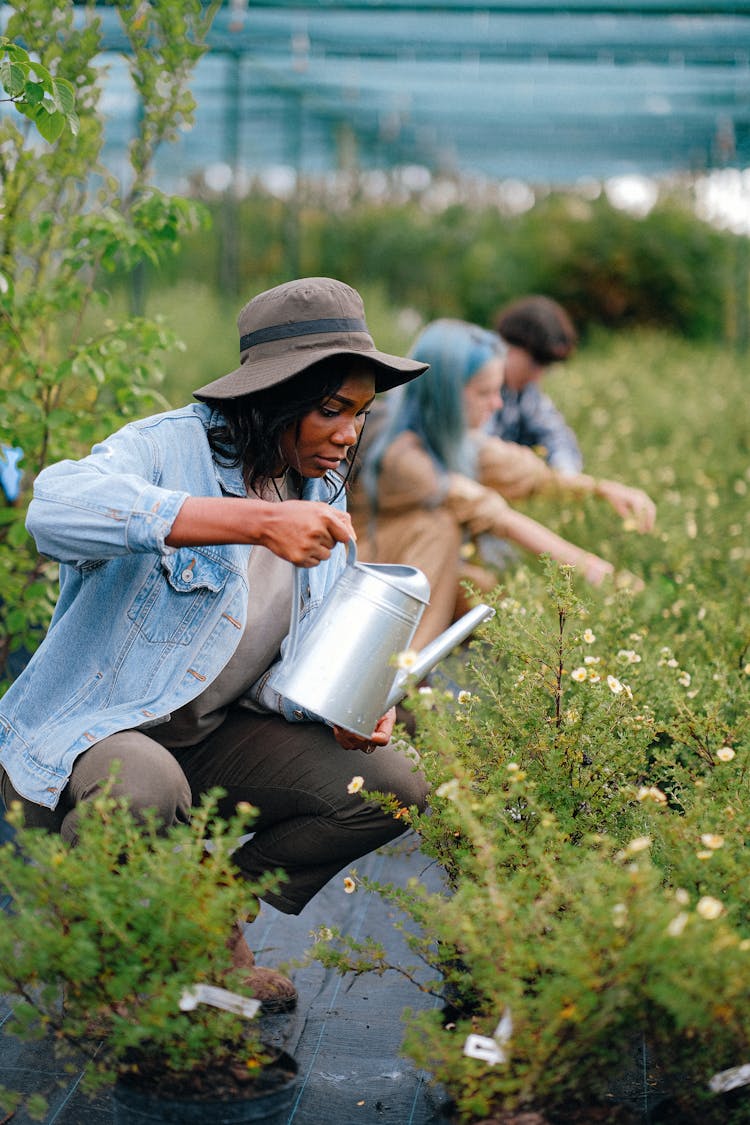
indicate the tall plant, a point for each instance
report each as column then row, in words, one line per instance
column 68, row 372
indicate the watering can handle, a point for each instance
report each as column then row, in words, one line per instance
column 351, row 558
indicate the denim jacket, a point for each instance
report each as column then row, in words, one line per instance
column 140, row 628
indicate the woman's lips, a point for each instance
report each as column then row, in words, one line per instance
column 327, row 462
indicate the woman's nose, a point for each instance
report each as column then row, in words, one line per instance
column 347, row 431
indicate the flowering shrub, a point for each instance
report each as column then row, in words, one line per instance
column 103, row 944
column 589, row 801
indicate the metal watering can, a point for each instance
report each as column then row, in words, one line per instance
column 342, row 669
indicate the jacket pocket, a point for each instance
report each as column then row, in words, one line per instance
column 177, row 593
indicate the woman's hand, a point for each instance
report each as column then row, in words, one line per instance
column 303, row 532
column 595, row 570
column 630, row 503
column 381, row 736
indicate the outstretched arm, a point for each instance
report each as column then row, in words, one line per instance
column 539, row 539
column 516, row 472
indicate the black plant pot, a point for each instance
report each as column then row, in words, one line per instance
column 134, row 1105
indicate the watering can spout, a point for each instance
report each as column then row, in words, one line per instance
column 436, row 650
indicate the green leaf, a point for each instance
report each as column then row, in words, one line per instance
column 63, row 94
column 50, row 125
column 33, row 92
column 16, row 79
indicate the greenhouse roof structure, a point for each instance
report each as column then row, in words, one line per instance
column 544, row 91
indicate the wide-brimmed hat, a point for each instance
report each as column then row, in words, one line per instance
column 287, row 329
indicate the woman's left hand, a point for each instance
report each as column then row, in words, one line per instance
column 630, row 503
column 381, row 736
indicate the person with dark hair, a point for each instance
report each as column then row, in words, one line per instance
column 538, row 333
column 177, row 539
column 434, row 481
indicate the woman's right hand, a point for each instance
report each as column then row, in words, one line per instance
column 305, row 531
column 595, row 570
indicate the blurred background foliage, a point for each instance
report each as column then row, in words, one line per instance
column 611, row 269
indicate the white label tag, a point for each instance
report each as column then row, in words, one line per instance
column 480, row 1047
column 730, row 1079
column 218, row 998
column 491, row 1050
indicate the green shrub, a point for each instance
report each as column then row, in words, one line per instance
column 609, row 268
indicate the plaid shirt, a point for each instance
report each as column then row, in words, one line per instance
column 529, row 417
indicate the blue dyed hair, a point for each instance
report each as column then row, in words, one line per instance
column 432, row 405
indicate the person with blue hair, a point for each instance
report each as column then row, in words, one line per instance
column 433, row 480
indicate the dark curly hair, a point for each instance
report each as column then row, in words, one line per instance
column 251, row 427
column 540, row 326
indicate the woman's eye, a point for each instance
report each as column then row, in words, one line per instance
column 327, row 412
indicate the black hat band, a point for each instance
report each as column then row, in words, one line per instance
column 302, row 328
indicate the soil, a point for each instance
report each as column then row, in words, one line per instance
column 575, row 1115
column 229, row 1081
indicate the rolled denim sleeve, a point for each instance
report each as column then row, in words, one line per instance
column 105, row 505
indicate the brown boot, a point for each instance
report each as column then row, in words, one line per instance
column 275, row 991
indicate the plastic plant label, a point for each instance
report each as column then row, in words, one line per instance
column 491, row 1050
column 481, row 1047
column 730, row 1079
column 218, row 998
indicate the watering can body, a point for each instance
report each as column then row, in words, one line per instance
column 343, row 668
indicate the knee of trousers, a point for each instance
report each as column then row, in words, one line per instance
column 147, row 775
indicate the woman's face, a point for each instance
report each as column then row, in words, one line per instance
column 322, row 439
column 481, row 395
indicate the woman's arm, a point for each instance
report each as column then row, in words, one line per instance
column 302, row 531
column 479, row 509
column 516, row 472
column 539, row 539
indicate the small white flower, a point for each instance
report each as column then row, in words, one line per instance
column 512, row 767
column 651, row 793
column 619, row 914
column 406, row 660
column 426, row 691
column 677, row 925
column 588, row 637
column 464, row 697
column 349, row 886
column 684, row 679
column 639, row 844
column 325, row 933
column 355, row 784
column 578, row 674
column 709, row 907
column 448, row 790
column 682, row 896
column 614, row 685
column 672, row 663
column 594, row 677
column 591, row 659
column 725, row 753
column 710, row 840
